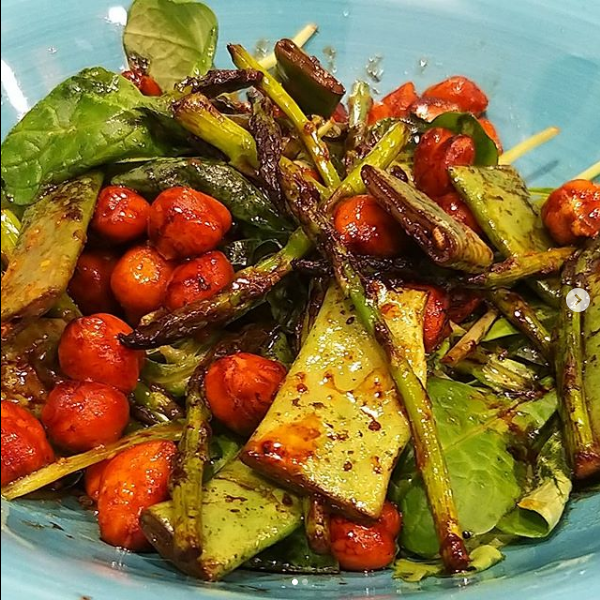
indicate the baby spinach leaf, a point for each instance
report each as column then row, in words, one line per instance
column 540, row 510
column 90, row 119
column 475, row 432
column 171, row 39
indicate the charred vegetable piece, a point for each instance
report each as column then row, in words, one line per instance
column 316, row 91
column 316, row 524
column 247, row 203
column 306, row 129
column 322, row 394
column 66, row 466
column 53, row 235
column 359, row 104
column 198, row 115
column 151, row 405
column 221, row 81
column 415, row 401
column 575, row 407
column 498, row 198
column 446, row 241
column 517, row 268
column 471, row 339
column 520, row 314
column 242, row 514
column 293, row 555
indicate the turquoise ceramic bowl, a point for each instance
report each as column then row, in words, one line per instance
column 540, row 62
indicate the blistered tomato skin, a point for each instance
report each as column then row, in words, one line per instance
column 25, row 447
column 366, row 548
column 185, row 223
column 90, row 285
column 93, row 479
column 240, row 389
column 198, row 279
column 572, row 211
column 400, row 99
column 139, row 281
column 146, row 84
column 437, row 150
column 368, row 229
column 377, row 112
column 121, row 215
column 427, row 109
column 456, row 207
column 89, row 350
column 436, row 320
column 491, row 131
column 460, row 90
column 80, row 415
column 135, row 479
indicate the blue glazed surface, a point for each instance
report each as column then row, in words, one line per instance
column 539, row 60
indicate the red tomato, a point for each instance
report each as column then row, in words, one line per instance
column 146, row 84
column 436, row 322
column 198, row 279
column 139, row 281
column 489, row 128
column 366, row 548
column 366, row 228
column 80, row 415
column 121, row 215
column 378, row 111
column 572, row 211
column 463, row 303
column 460, row 90
column 90, row 350
column 90, row 284
column 25, row 448
column 240, row 389
column 93, row 479
column 427, row 109
column 184, row 223
column 135, row 479
column 456, row 207
column 340, row 114
column 437, row 150
column 400, row 100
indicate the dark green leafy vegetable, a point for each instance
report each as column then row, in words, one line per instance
column 448, row 242
column 475, row 432
column 53, row 235
column 486, row 152
column 247, row 203
column 498, row 198
column 538, row 512
column 316, row 91
column 170, row 39
column 293, row 555
column 91, row 119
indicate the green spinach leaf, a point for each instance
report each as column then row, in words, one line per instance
column 173, row 39
column 90, row 119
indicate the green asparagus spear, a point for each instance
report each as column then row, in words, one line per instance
column 152, row 406
column 582, row 445
column 445, row 240
column 307, row 130
column 316, row 91
column 517, row 268
column 65, row 466
column 186, row 482
column 198, row 115
column 316, row 524
column 523, row 317
column 251, row 284
column 303, row 201
column 359, row 104
column 52, row 237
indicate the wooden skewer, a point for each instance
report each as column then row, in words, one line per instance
column 527, row 145
column 269, row 61
column 590, row 173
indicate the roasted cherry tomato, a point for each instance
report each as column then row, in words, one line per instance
column 489, row 128
column 25, row 447
column 198, row 279
column 146, row 84
column 80, row 415
column 572, row 211
column 93, row 479
column 460, row 90
column 132, row 481
column 427, row 109
column 340, row 114
column 240, row 389
column 90, row 350
column 139, row 281
column 366, row 228
column 378, row 111
column 121, row 215
column 366, row 547
column 456, row 207
column 395, row 104
column 90, row 284
column 436, row 322
column 437, row 150
column 184, row 223
column 463, row 303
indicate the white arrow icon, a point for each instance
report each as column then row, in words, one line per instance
column 578, row 299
